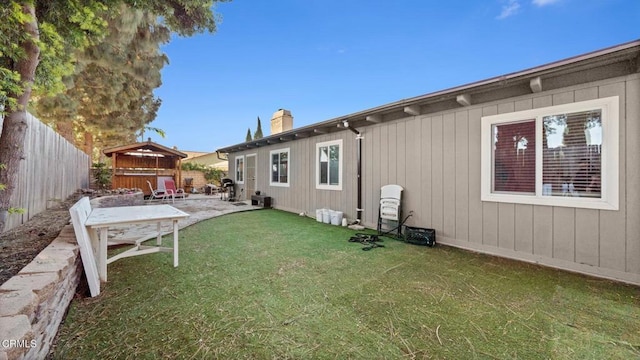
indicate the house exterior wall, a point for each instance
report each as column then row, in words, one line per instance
column 301, row 195
column 437, row 161
column 436, row 158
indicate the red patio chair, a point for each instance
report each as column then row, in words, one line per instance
column 172, row 192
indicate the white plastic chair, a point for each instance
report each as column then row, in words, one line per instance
column 390, row 211
column 156, row 194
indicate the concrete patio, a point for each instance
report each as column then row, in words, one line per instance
column 199, row 206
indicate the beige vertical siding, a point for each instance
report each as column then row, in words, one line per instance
column 461, row 182
column 412, row 144
column 632, row 141
column 489, row 210
column 437, row 186
column 377, row 178
column 436, row 158
column 613, row 223
column 476, row 226
column 301, row 195
column 448, row 175
column 599, row 242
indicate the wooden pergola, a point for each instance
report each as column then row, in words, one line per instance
column 134, row 164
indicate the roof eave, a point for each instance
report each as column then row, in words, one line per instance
column 129, row 147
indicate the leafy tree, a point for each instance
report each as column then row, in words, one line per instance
column 38, row 42
column 129, row 62
column 35, row 37
column 156, row 130
column 3, row 187
column 258, row 133
column 248, row 137
column 111, row 90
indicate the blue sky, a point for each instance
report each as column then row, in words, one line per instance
column 322, row 59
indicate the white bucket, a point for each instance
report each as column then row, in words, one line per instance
column 319, row 215
column 336, row 217
column 326, row 217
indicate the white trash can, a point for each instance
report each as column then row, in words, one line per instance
column 326, row 216
column 319, row 215
column 336, row 217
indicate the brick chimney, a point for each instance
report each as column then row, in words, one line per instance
column 281, row 121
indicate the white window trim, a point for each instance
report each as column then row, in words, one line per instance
column 340, row 162
column 279, row 151
column 235, row 168
column 610, row 155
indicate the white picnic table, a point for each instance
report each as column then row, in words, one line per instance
column 101, row 219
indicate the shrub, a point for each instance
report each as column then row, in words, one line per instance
column 210, row 174
column 101, row 175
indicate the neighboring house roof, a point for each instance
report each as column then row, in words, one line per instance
column 222, row 165
column 142, row 148
column 571, row 71
column 209, row 159
column 194, row 154
column 204, row 157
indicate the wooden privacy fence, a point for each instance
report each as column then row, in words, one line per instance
column 52, row 169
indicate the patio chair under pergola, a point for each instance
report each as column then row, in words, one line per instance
column 135, row 164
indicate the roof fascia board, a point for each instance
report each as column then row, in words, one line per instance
column 135, row 146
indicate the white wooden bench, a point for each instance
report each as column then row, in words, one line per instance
column 79, row 213
column 91, row 228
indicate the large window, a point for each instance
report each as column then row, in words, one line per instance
column 279, row 167
column 329, row 165
column 240, row 169
column 564, row 155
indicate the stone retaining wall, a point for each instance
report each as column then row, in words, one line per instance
column 131, row 199
column 34, row 302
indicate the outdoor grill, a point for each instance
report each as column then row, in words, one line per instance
column 228, row 189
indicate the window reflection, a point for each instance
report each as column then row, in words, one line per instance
column 334, row 161
column 324, row 164
column 571, row 160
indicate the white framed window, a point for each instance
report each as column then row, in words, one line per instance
column 279, row 167
column 329, row 165
column 240, row 169
column 564, row 155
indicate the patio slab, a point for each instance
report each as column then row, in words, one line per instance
column 199, row 206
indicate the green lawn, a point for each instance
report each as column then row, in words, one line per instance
column 273, row 285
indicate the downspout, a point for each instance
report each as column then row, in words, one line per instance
column 359, row 138
column 219, row 158
column 223, row 159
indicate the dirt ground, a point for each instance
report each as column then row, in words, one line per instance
column 20, row 245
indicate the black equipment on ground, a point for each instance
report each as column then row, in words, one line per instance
column 420, row 236
column 369, row 241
